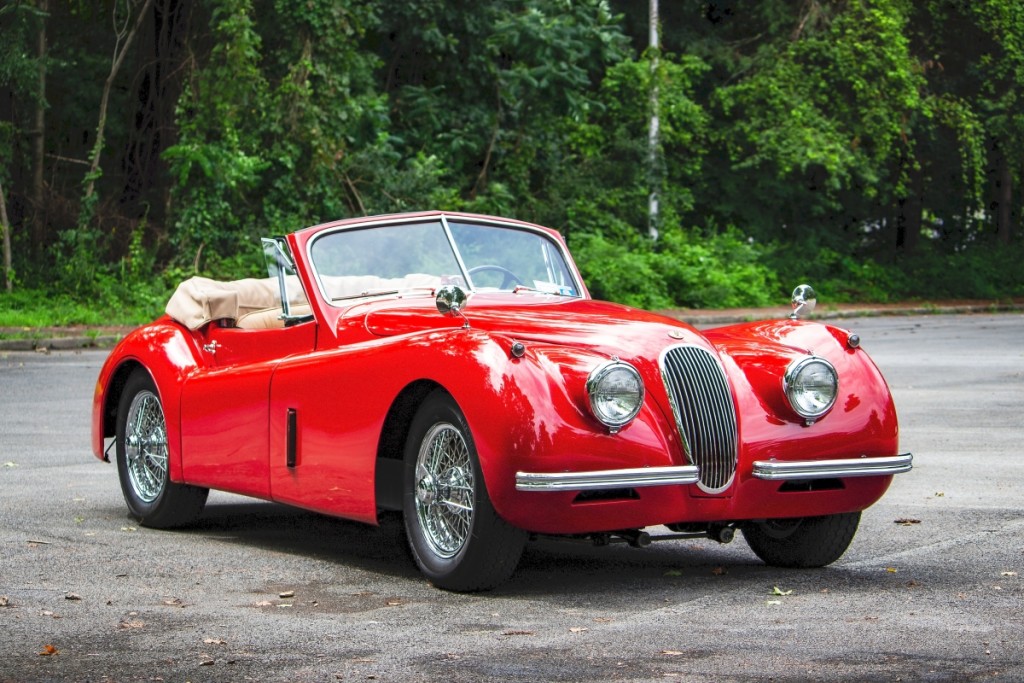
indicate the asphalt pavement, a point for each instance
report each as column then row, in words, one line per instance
column 929, row 591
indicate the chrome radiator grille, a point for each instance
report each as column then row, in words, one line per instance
column 704, row 412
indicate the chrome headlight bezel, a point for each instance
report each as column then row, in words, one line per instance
column 615, row 392
column 811, row 385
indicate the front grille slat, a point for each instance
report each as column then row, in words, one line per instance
column 704, row 412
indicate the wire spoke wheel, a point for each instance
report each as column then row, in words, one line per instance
column 457, row 539
column 146, row 446
column 444, row 490
column 143, row 460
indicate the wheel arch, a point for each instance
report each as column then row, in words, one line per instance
column 112, row 395
column 388, row 470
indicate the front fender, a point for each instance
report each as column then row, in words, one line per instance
column 532, row 414
column 861, row 423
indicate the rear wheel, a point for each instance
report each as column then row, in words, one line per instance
column 457, row 539
column 142, row 460
column 802, row 542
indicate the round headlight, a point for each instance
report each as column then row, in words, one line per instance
column 616, row 393
column 811, row 386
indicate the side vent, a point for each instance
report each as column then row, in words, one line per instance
column 291, row 437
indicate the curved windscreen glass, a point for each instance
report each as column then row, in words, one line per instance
column 387, row 259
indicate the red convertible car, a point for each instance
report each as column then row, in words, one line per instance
column 454, row 367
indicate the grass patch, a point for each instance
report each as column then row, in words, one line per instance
column 23, row 311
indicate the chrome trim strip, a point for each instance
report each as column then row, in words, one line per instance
column 774, row 470
column 606, row 479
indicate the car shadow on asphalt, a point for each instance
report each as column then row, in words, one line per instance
column 549, row 566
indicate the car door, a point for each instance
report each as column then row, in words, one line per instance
column 224, row 409
column 224, row 403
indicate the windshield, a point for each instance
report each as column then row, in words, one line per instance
column 389, row 259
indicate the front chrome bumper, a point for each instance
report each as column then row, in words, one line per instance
column 775, row 470
column 771, row 470
column 606, row 479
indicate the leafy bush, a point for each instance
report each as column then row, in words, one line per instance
column 719, row 271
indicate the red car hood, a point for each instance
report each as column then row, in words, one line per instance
column 606, row 327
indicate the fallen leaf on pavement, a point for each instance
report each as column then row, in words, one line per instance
column 286, row 594
column 778, row 591
column 5, row 601
column 48, row 651
column 907, row 521
column 215, row 641
column 578, row 629
column 72, row 596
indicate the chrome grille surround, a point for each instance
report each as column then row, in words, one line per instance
column 704, row 411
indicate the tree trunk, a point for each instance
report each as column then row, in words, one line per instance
column 5, row 228
column 39, row 136
column 653, row 131
column 120, row 51
column 909, row 218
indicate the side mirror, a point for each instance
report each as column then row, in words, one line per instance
column 804, row 301
column 450, row 300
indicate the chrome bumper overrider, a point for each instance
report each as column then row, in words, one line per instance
column 774, row 470
column 606, row 479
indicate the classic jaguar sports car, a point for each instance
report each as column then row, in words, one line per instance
column 454, row 367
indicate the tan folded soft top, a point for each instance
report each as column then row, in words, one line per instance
column 255, row 303
column 199, row 300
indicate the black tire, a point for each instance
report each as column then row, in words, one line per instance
column 141, row 442
column 803, row 542
column 457, row 539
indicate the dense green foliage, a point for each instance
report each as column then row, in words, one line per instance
column 874, row 148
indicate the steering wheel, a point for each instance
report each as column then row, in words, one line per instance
column 508, row 280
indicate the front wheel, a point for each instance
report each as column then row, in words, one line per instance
column 802, row 542
column 142, row 460
column 457, row 539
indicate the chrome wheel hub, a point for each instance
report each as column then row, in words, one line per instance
column 444, row 490
column 146, row 447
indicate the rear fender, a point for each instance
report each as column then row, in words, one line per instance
column 169, row 355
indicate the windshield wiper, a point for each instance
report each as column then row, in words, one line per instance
column 534, row 290
column 380, row 292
